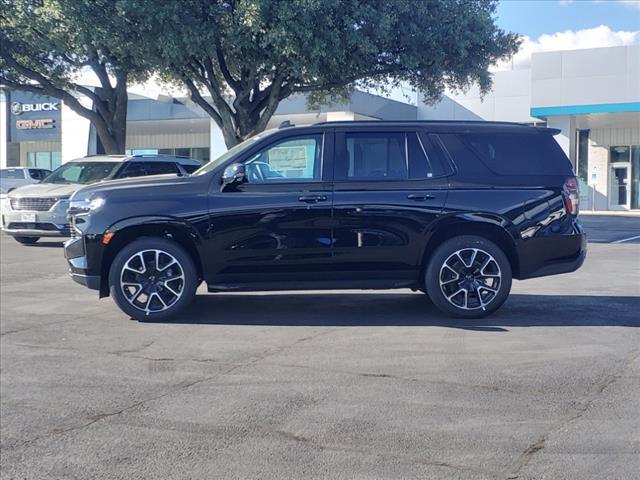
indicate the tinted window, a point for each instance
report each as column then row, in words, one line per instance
column 133, row 169
column 161, row 168
column 297, row 159
column 519, row 154
column 376, row 156
column 12, row 173
column 425, row 159
column 37, row 174
column 190, row 168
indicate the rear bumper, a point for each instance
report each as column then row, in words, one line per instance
column 552, row 255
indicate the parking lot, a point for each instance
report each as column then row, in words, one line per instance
column 358, row 384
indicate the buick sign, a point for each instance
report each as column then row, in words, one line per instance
column 17, row 108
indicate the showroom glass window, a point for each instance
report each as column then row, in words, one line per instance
column 46, row 160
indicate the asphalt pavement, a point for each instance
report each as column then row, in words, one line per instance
column 357, row 384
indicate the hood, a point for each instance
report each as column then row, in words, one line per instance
column 155, row 181
column 57, row 190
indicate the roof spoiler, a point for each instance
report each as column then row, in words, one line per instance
column 549, row 131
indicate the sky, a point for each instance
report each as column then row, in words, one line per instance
column 568, row 24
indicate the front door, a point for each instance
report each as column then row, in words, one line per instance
column 619, row 186
column 390, row 185
column 276, row 225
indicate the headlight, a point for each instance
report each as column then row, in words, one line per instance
column 85, row 206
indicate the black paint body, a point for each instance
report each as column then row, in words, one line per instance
column 373, row 234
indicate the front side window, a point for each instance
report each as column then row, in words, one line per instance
column 38, row 174
column 293, row 160
column 161, row 168
column 376, row 156
column 133, row 169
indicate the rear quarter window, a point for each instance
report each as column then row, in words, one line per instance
column 519, row 154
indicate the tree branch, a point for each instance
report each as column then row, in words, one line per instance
column 222, row 63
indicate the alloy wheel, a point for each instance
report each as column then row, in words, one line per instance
column 152, row 280
column 470, row 279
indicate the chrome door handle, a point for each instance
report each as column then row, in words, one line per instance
column 420, row 196
column 312, row 198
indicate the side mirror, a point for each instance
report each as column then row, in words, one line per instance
column 233, row 175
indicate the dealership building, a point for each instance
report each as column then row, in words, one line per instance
column 592, row 96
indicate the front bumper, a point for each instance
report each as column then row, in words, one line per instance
column 75, row 253
column 52, row 223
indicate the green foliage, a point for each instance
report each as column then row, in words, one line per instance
column 48, row 47
column 250, row 54
column 240, row 58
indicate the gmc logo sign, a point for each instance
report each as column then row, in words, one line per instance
column 17, row 108
column 35, row 124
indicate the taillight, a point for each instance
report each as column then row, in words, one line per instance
column 571, row 195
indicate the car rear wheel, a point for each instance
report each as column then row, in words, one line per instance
column 27, row 240
column 468, row 277
column 153, row 279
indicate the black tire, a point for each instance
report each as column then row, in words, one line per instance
column 27, row 240
column 482, row 295
column 171, row 249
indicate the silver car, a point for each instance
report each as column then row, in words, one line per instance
column 40, row 210
column 14, row 177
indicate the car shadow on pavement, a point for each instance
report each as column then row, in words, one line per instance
column 405, row 309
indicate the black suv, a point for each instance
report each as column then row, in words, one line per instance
column 455, row 209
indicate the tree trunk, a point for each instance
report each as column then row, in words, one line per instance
column 111, row 125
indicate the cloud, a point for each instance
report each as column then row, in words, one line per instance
column 565, row 2
column 631, row 3
column 601, row 36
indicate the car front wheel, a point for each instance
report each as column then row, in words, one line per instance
column 153, row 279
column 468, row 277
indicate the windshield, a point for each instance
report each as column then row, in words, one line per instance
column 82, row 172
column 213, row 164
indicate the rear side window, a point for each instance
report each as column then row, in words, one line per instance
column 426, row 160
column 519, row 154
column 376, row 156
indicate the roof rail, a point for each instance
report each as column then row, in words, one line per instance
column 420, row 122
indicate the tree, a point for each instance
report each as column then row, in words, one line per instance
column 48, row 46
column 240, row 58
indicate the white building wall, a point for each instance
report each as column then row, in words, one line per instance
column 216, row 146
column 74, row 132
column 567, row 136
column 509, row 101
column 585, row 77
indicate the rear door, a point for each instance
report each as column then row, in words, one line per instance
column 390, row 185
